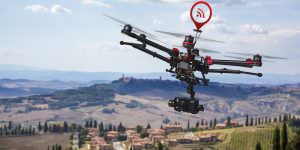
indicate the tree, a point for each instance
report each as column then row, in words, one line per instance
column 159, row 146
column 95, row 124
column 284, row 137
column 258, row 146
column 40, row 127
column 188, row 124
column 247, row 121
column 258, row 121
column 90, row 123
column 9, row 125
column 101, row 127
column 65, row 126
column 251, row 121
column 228, row 124
column 45, row 127
column 166, row 121
column 148, row 126
column 86, row 124
column 139, row 128
column 197, row 124
column 276, row 139
column 295, row 143
column 210, row 123
column 202, row 122
column 280, row 118
column 161, row 126
column 255, row 121
column 215, row 122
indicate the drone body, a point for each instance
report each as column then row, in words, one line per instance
column 183, row 65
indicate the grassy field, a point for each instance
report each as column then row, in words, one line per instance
column 37, row 142
column 245, row 138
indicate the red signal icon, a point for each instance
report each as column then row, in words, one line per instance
column 200, row 13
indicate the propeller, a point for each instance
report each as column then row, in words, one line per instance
column 204, row 50
column 136, row 29
column 180, row 35
column 244, row 58
column 251, row 54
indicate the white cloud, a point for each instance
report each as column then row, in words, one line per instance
column 36, row 8
column 156, row 22
column 219, row 24
column 253, row 29
column 55, row 9
column 185, row 16
column 58, row 9
column 98, row 3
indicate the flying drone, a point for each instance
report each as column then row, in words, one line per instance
column 183, row 65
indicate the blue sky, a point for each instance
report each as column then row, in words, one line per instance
column 74, row 35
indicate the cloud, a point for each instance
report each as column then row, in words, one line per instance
column 156, row 22
column 253, row 29
column 219, row 24
column 36, row 8
column 185, row 17
column 58, row 9
column 55, row 9
column 98, row 3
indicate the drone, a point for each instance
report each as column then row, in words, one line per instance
column 183, row 65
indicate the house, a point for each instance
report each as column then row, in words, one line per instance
column 173, row 128
column 171, row 142
column 156, row 132
column 157, row 138
column 105, row 146
column 208, row 138
column 221, row 126
column 112, row 135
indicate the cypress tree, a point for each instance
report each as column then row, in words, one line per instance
column 258, row 146
column 65, row 126
column 210, row 124
column 188, row 124
column 251, row 122
column 45, row 127
column 197, row 124
column 247, row 121
column 228, row 122
column 215, row 122
column 276, row 139
column 148, row 126
column 284, row 137
column 39, row 127
column 95, row 124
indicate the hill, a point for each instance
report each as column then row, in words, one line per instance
column 146, row 101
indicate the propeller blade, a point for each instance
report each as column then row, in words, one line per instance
column 210, row 40
column 244, row 58
column 251, row 54
column 180, row 35
column 207, row 50
column 273, row 57
column 124, row 23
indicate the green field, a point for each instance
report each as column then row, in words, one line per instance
column 245, row 138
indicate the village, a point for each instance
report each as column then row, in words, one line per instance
column 169, row 135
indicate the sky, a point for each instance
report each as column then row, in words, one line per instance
column 74, row 35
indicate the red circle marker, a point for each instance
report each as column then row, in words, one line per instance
column 200, row 14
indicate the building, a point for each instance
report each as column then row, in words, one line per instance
column 221, row 126
column 171, row 142
column 112, row 135
column 173, row 128
column 208, row 138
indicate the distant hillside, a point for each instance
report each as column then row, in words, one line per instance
column 31, row 73
column 100, row 94
column 24, row 87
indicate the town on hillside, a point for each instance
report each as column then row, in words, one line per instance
column 204, row 134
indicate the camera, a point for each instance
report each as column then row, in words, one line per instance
column 184, row 104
